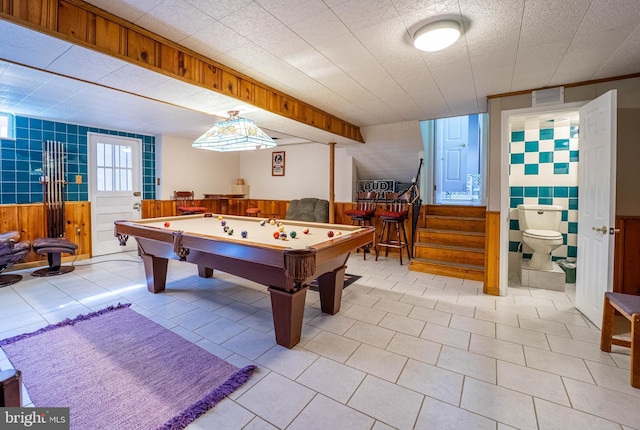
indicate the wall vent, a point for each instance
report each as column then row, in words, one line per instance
column 548, row 96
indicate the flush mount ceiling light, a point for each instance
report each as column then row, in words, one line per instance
column 234, row 134
column 436, row 35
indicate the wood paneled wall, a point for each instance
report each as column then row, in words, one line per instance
column 28, row 219
column 492, row 254
column 81, row 23
column 626, row 275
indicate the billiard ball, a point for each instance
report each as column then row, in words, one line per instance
column 166, row 224
column 243, row 234
column 262, row 223
column 230, row 231
column 281, row 228
column 226, row 228
column 339, row 233
column 293, row 234
column 330, row 233
column 305, row 231
column 272, row 222
column 283, row 236
column 223, row 223
column 219, row 217
column 276, row 234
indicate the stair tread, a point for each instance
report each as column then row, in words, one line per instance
column 461, row 232
column 461, row 218
column 449, row 263
column 450, row 247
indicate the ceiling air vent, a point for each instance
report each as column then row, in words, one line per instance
column 551, row 96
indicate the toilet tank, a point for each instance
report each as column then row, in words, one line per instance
column 539, row 217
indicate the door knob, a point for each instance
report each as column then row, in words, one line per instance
column 137, row 206
column 603, row 229
column 613, row 230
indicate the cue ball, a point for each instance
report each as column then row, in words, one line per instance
column 330, row 233
column 166, row 224
column 305, row 231
column 276, row 234
column 272, row 222
column 243, row 233
column 293, row 234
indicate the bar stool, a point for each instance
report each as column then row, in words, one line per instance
column 394, row 216
column 629, row 306
column 253, row 212
column 364, row 213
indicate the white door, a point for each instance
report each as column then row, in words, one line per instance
column 452, row 139
column 115, row 186
column 596, row 200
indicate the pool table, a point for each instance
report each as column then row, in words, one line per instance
column 286, row 264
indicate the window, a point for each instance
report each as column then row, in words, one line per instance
column 114, row 167
column 7, row 128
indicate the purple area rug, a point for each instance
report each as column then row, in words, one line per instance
column 117, row 369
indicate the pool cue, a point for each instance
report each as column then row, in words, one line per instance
column 63, row 232
column 56, row 226
column 58, row 169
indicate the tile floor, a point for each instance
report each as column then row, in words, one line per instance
column 408, row 350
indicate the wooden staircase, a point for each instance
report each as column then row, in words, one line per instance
column 452, row 242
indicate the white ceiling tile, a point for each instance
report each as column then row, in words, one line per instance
column 85, row 64
column 364, row 13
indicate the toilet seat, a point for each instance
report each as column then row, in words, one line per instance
column 542, row 234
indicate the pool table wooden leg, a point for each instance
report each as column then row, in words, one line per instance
column 330, row 287
column 155, row 270
column 288, row 310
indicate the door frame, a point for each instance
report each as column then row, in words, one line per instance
column 91, row 165
column 505, row 210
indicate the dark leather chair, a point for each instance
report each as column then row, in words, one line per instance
column 12, row 250
column 364, row 212
column 393, row 217
column 53, row 248
column 185, row 203
column 309, row 209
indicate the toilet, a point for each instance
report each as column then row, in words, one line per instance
column 540, row 225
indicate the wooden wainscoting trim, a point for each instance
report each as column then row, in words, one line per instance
column 492, row 254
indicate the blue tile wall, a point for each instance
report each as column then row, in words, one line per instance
column 21, row 160
column 544, row 170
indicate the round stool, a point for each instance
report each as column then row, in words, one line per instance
column 253, row 212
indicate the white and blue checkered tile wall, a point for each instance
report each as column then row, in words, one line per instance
column 21, row 160
column 543, row 169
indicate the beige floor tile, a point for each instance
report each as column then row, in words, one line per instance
column 373, row 398
column 363, row 313
column 332, row 379
column 378, row 362
column 576, row 348
column 436, row 415
column 472, row 325
column 337, row 324
column 393, row 306
column 558, row 364
column 562, row 317
column 522, row 336
column 332, row 346
column 410, row 346
column 533, row 382
column 496, row 348
column 496, row 317
column 543, row 326
column 552, row 416
column 612, row 377
column 402, row 324
column 605, row 403
column 287, row 362
column 324, row 413
column 430, row 315
column 227, row 414
column 432, row 381
column 291, row 396
column 507, row 406
column 456, row 309
column 446, row 335
column 370, row 334
column 468, row 363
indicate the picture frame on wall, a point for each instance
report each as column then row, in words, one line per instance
column 277, row 163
